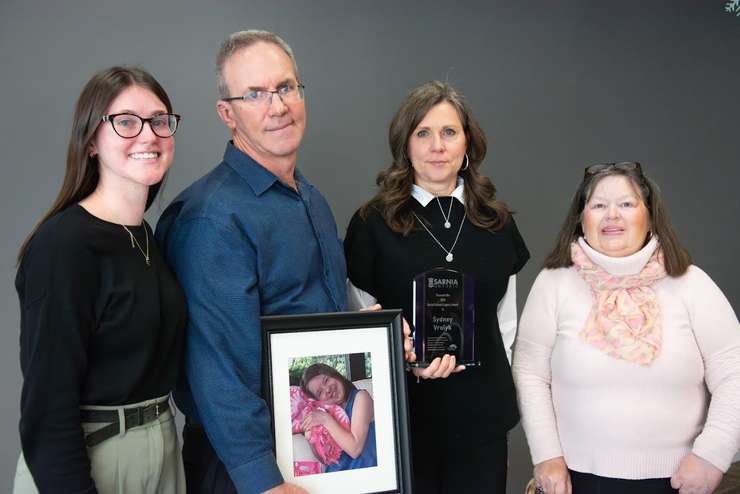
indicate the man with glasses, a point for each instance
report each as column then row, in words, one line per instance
column 250, row 238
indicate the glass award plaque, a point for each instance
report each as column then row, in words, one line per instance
column 444, row 316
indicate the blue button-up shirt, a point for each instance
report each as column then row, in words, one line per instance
column 243, row 244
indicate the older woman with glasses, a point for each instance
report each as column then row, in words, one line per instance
column 434, row 208
column 627, row 362
column 102, row 316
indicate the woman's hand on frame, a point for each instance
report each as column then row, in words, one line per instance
column 552, row 476
column 408, row 342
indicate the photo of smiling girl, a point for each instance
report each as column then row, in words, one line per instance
column 343, row 413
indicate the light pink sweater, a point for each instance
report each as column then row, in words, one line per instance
column 618, row 419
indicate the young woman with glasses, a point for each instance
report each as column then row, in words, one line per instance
column 102, row 317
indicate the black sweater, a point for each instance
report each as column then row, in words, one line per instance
column 479, row 403
column 98, row 327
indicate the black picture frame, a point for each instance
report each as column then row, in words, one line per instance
column 377, row 334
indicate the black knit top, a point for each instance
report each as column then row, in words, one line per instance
column 479, row 403
column 98, row 327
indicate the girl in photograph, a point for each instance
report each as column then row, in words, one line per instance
column 325, row 384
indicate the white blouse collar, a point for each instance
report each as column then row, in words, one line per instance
column 621, row 266
column 425, row 197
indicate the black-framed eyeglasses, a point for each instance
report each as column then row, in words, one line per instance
column 130, row 125
column 622, row 166
column 288, row 93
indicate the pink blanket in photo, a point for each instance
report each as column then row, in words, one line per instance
column 323, row 445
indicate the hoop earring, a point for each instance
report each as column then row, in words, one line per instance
column 467, row 163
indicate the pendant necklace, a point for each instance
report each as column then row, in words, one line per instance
column 449, row 257
column 449, row 211
column 135, row 243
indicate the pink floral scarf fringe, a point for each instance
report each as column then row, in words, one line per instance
column 624, row 321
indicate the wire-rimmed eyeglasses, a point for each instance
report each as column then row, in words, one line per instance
column 288, row 93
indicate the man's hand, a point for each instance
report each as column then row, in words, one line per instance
column 286, row 488
column 696, row 475
column 552, row 476
column 372, row 307
column 439, row 368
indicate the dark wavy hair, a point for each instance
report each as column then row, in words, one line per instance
column 82, row 175
column 325, row 370
column 677, row 258
column 393, row 197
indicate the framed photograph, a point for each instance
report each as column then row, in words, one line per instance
column 336, row 387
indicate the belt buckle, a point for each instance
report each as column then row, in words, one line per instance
column 156, row 410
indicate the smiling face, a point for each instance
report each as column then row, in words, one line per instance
column 270, row 134
column 139, row 161
column 327, row 389
column 436, row 149
column 615, row 219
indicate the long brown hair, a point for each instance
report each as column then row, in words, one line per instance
column 393, row 197
column 325, row 370
column 82, row 175
column 677, row 258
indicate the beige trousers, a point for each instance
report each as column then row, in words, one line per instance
column 145, row 459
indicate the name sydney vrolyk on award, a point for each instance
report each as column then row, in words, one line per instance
column 444, row 316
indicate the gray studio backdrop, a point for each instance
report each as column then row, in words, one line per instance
column 556, row 86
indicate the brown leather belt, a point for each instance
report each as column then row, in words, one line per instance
column 134, row 417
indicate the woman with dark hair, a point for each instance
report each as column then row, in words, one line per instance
column 434, row 208
column 102, row 317
column 619, row 342
column 324, row 383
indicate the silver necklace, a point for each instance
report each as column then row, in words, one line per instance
column 449, row 257
column 135, row 243
column 449, row 211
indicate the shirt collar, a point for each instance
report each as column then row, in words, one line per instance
column 257, row 176
column 425, row 197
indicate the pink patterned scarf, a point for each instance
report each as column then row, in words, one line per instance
column 624, row 321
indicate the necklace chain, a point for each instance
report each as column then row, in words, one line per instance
column 135, row 243
column 449, row 256
column 449, row 211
